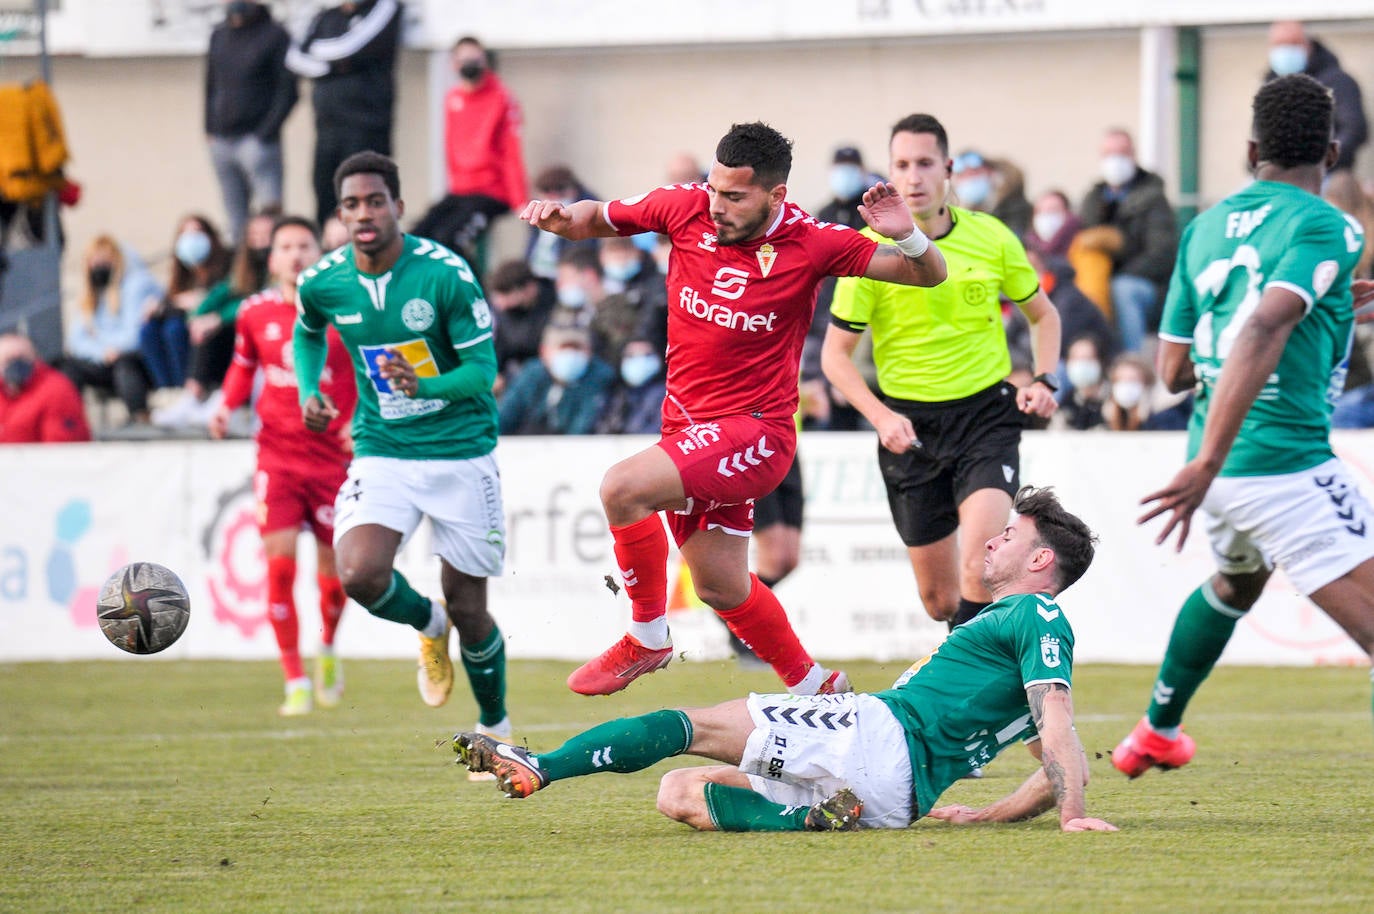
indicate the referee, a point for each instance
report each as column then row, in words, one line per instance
column 949, row 425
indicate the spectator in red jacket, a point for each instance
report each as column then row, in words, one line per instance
column 37, row 403
column 486, row 168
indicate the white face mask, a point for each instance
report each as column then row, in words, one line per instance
column 572, row 296
column 1117, row 169
column 847, row 181
column 637, row 369
column 1287, row 59
column 1047, row 225
column 1083, row 372
column 567, row 365
column 1127, row 394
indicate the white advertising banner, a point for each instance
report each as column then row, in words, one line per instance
column 73, row 514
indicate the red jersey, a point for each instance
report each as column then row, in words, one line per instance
column 482, row 142
column 48, row 408
column 262, row 339
column 737, row 314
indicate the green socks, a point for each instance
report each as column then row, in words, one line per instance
column 485, row 664
column 402, row 604
column 741, row 809
column 624, row 745
column 1201, row 631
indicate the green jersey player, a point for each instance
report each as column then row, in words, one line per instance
column 419, row 333
column 1259, row 317
column 841, row 761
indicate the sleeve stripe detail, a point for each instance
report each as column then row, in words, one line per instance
column 1299, row 291
column 1063, row 682
column 301, row 320
column 1022, row 301
column 606, row 214
column 357, row 37
column 473, row 342
column 1174, row 338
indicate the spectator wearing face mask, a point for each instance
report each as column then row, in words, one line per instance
column 200, row 261
column 635, row 406
column 1292, row 50
column 483, row 152
column 1131, row 201
column 1082, row 407
column 993, row 186
column 1053, row 226
column 522, row 307
column 563, row 392
column 585, row 300
column 38, row 404
column 848, row 179
column 1135, row 405
column 102, row 346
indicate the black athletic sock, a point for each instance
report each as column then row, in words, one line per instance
column 967, row 610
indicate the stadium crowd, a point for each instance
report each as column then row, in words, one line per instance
column 580, row 327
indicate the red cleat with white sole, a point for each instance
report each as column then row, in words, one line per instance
column 622, row 664
column 1143, row 749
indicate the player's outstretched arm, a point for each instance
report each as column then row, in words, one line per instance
column 914, row 260
column 1061, row 755
column 1252, row 359
column 574, row 221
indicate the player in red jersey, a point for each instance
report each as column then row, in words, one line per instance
column 742, row 281
column 298, row 473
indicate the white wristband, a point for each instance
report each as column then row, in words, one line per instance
column 915, row 244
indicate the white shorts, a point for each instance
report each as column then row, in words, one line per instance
column 804, row 748
column 461, row 498
column 1316, row 525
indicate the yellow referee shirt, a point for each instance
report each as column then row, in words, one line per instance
column 946, row 342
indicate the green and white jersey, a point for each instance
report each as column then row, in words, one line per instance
column 1269, row 234
column 429, row 308
column 966, row 701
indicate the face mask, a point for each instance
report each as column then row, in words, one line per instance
column 100, row 276
column 622, row 270
column 1117, row 169
column 567, row 365
column 192, row 248
column 847, row 182
column 1287, row 59
column 637, row 369
column 975, row 190
column 572, row 296
column 1127, row 394
column 18, row 371
column 471, row 71
column 1083, row 372
column 1047, row 225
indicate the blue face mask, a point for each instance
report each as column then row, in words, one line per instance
column 622, row 270
column 847, row 182
column 638, row 369
column 572, row 296
column 1287, row 59
column 567, row 365
column 193, row 248
column 974, row 190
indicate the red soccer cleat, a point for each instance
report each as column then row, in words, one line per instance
column 1144, row 749
column 622, row 664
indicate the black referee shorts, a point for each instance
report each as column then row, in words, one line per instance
column 783, row 505
column 966, row 445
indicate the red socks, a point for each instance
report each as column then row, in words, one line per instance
column 281, row 612
column 761, row 623
column 641, row 551
column 331, row 605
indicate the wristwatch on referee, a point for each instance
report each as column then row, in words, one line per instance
column 1048, row 380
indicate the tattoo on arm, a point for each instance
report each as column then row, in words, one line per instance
column 1035, row 696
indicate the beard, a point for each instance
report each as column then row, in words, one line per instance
column 740, row 232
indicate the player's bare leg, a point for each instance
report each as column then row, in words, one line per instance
column 481, row 647
column 1349, row 601
column 936, row 566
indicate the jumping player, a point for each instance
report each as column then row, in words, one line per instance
column 419, row 333
column 742, row 281
column 297, row 475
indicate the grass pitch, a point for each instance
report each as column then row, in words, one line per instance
column 146, row 785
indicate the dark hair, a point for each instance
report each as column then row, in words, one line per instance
column 297, row 221
column 510, row 275
column 216, row 265
column 923, row 123
column 1058, row 530
column 756, row 145
column 582, row 257
column 556, row 177
column 1292, row 121
column 369, row 163
column 246, row 275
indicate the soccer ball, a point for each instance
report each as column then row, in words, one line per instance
column 143, row 608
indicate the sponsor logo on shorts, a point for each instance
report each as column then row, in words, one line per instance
column 777, row 763
column 491, row 500
column 817, row 718
column 1338, row 493
column 741, row 461
column 1307, row 550
column 702, row 435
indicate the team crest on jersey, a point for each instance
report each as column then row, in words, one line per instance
column 1049, row 650
column 766, row 255
column 417, row 314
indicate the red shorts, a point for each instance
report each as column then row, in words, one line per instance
column 725, row 464
column 289, row 499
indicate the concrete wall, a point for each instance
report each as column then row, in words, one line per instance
column 616, row 115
